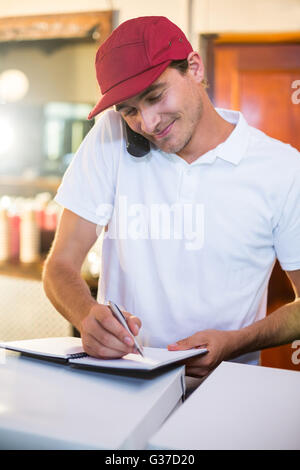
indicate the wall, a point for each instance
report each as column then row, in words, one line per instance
column 212, row 16
column 176, row 10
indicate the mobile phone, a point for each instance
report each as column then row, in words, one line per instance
column 136, row 144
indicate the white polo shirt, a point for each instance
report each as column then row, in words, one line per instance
column 189, row 246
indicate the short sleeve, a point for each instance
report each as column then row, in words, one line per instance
column 287, row 232
column 88, row 185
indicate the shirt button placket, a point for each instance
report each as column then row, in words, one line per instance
column 187, row 186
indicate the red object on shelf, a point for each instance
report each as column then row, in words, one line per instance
column 40, row 217
column 14, row 236
column 50, row 220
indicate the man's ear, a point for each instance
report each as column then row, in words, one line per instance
column 196, row 67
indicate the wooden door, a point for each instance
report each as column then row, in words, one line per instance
column 257, row 80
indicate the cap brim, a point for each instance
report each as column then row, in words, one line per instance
column 129, row 88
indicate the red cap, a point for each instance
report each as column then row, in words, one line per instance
column 134, row 56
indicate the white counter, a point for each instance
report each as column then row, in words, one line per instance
column 237, row 407
column 45, row 405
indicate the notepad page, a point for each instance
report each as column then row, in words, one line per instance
column 153, row 358
column 61, row 347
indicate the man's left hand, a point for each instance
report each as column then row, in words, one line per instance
column 218, row 344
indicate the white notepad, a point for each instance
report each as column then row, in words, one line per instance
column 70, row 350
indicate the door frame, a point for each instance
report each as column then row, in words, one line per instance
column 208, row 41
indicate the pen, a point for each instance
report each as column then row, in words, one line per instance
column 119, row 316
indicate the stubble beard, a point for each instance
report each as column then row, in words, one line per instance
column 175, row 147
column 179, row 146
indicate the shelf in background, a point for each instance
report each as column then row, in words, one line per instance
column 17, row 185
column 33, row 271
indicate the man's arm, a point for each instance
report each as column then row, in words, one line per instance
column 61, row 276
column 102, row 335
column 281, row 327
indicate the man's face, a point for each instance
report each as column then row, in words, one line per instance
column 166, row 113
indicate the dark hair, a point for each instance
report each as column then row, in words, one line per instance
column 182, row 66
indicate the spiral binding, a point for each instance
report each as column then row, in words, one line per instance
column 77, row 355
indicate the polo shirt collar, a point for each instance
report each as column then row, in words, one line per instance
column 233, row 149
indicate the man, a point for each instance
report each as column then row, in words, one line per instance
column 194, row 227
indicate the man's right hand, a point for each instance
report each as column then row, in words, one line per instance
column 103, row 336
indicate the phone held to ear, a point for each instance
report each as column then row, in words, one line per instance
column 136, row 144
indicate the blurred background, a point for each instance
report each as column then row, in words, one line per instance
column 251, row 51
